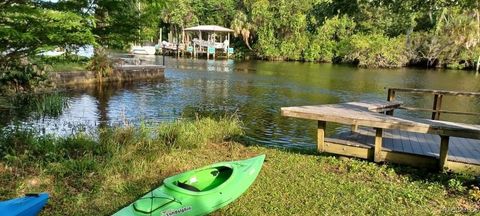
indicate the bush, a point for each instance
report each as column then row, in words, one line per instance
column 22, row 75
column 323, row 44
column 374, row 51
column 101, row 63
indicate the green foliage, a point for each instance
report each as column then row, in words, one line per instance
column 43, row 105
column 21, row 74
column 179, row 13
column 36, row 106
column 219, row 12
column 456, row 185
column 454, row 39
column 185, row 135
column 243, row 27
column 28, row 29
column 370, row 33
column 118, row 23
column 101, row 63
column 65, row 63
column 374, row 50
column 435, row 33
column 323, row 46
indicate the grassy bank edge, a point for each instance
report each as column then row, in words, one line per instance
column 88, row 175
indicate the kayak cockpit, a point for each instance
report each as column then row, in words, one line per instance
column 205, row 179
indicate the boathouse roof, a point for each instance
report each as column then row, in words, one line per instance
column 210, row 28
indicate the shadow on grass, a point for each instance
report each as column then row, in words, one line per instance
column 453, row 181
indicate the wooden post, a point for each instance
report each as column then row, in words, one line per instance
column 354, row 128
column 228, row 38
column 377, row 157
column 163, row 55
column 390, row 97
column 195, row 51
column 160, row 37
column 322, row 125
column 443, row 152
column 478, row 61
column 437, row 105
column 177, row 41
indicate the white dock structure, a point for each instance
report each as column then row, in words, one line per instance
column 208, row 39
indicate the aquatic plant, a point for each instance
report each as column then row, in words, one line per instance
column 37, row 105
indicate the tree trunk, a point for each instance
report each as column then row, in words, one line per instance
column 478, row 64
column 247, row 43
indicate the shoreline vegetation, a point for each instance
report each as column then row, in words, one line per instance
column 434, row 34
column 443, row 34
column 89, row 174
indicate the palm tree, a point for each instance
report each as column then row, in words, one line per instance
column 241, row 26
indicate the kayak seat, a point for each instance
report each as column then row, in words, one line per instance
column 188, row 187
column 205, row 180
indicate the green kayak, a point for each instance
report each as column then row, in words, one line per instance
column 198, row 192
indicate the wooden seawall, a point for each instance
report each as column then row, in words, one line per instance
column 119, row 74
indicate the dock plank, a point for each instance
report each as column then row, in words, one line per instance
column 428, row 140
column 397, row 142
column 468, row 149
column 359, row 113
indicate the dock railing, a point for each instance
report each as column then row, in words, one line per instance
column 437, row 100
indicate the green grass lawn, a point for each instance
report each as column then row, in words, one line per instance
column 97, row 176
column 69, row 66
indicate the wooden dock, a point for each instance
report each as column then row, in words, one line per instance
column 460, row 149
column 379, row 137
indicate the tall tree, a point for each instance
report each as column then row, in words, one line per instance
column 117, row 22
column 28, row 28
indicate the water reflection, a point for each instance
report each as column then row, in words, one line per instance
column 255, row 91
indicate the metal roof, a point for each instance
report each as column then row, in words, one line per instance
column 211, row 28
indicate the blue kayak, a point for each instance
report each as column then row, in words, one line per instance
column 29, row 205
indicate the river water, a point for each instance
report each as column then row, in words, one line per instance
column 254, row 91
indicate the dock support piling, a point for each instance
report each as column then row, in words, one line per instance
column 390, row 97
column 322, row 125
column 354, row 128
column 437, row 105
column 443, row 151
column 377, row 157
column 163, row 55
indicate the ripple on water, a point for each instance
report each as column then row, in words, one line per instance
column 253, row 90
